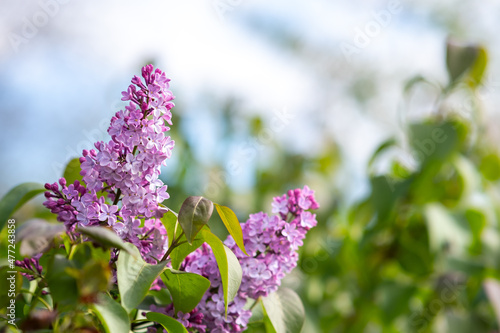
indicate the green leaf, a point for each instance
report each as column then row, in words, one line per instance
column 186, row 289
column 112, row 315
column 285, row 311
column 36, row 236
column 168, row 323
column 459, row 59
column 477, row 70
column 72, row 171
column 383, row 147
column 193, row 215
column 229, row 266
column 232, row 224
column 182, row 251
column 17, row 197
column 104, row 236
column 135, row 276
column 63, row 287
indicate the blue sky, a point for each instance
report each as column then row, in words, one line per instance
column 63, row 83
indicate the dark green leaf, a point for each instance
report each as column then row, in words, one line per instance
column 459, row 59
column 103, row 236
column 193, row 215
column 285, row 311
column 232, row 224
column 168, row 323
column 135, row 276
column 112, row 315
column 186, row 289
column 17, row 197
column 229, row 266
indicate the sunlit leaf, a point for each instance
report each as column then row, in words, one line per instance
column 229, row 266
column 232, row 224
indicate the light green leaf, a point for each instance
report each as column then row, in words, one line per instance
column 168, row 323
column 285, row 311
column 232, row 224
column 229, row 266
column 112, row 315
column 193, row 215
column 17, row 197
column 186, row 289
column 135, row 276
column 72, row 171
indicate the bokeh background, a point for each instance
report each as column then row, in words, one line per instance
column 275, row 95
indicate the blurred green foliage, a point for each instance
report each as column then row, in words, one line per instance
column 414, row 253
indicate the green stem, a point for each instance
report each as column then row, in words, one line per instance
column 172, row 247
column 254, row 304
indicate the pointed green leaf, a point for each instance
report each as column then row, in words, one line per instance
column 112, row 315
column 186, row 289
column 17, row 197
column 285, row 311
column 232, row 224
column 104, row 236
column 193, row 215
column 135, row 276
column 72, row 171
column 168, row 323
column 229, row 266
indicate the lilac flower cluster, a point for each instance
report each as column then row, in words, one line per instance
column 271, row 242
column 121, row 184
column 30, row 264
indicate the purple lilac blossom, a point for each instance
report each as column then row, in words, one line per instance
column 120, row 185
column 271, row 242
